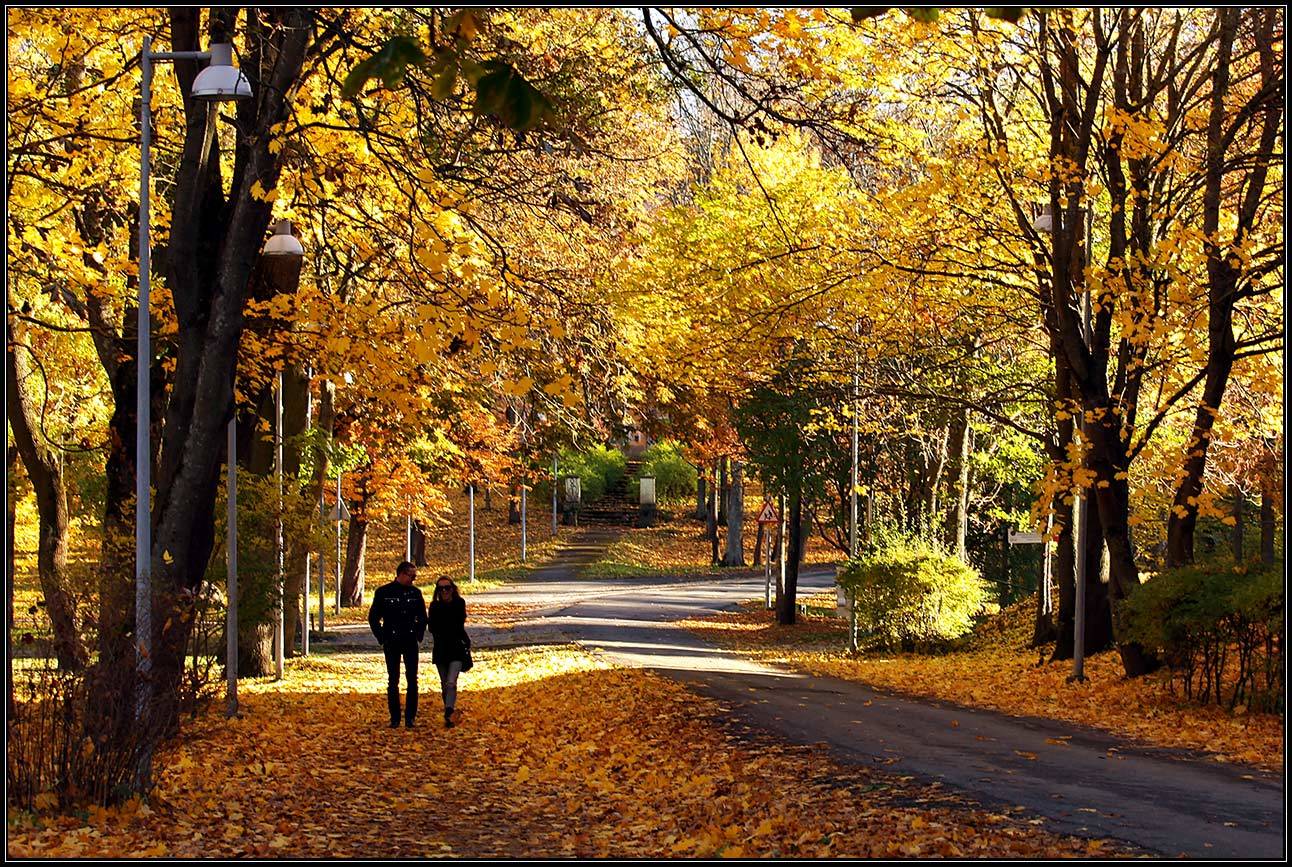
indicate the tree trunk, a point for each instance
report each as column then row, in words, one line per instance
column 723, row 491
column 787, row 598
column 805, row 531
column 11, row 517
column 758, row 545
column 1268, row 523
column 1099, row 624
column 701, row 497
column 116, row 572
column 45, row 470
column 1043, row 630
column 513, row 506
column 934, row 482
column 212, row 252
column 488, row 498
column 352, row 579
column 295, row 552
column 957, row 523
column 419, row 544
column 1223, row 267
column 255, row 649
column 711, row 521
column 735, row 555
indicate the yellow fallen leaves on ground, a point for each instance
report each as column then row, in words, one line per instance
column 1002, row 674
column 559, row 755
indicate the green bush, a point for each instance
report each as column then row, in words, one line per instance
column 599, row 469
column 675, row 479
column 912, row 595
column 1219, row 629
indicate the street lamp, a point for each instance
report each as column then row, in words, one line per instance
column 219, row 81
column 275, row 246
column 1045, row 222
column 282, row 245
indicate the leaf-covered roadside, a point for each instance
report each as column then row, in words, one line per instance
column 559, row 755
column 997, row 671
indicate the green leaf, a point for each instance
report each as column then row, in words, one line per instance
column 927, row 14
column 861, row 13
column 1012, row 14
column 490, row 91
column 389, row 63
column 505, row 94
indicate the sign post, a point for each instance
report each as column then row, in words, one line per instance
column 766, row 518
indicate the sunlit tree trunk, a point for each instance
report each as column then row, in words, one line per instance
column 735, row 555
column 356, row 549
column 787, row 597
column 45, row 470
column 958, row 515
column 295, row 393
column 723, row 490
column 11, row 517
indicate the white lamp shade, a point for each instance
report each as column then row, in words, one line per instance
column 283, row 242
column 221, row 80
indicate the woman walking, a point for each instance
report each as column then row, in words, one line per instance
column 447, row 619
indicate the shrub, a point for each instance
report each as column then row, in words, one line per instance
column 599, row 469
column 1220, row 631
column 912, row 595
column 675, row 479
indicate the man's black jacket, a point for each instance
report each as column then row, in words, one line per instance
column 398, row 613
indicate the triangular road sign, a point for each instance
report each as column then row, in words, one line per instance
column 339, row 512
column 768, row 514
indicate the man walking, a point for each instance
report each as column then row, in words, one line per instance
column 398, row 619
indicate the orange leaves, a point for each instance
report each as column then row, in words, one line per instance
column 559, row 756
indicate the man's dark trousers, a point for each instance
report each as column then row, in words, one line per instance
column 394, row 649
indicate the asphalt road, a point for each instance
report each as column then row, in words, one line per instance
column 1083, row 781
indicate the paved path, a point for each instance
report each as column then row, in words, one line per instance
column 1167, row 802
column 1096, row 785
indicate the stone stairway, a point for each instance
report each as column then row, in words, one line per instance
column 619, row 506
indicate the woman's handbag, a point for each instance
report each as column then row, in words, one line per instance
column 466, row 654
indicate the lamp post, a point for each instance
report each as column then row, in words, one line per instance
column 231, row 572
column 1045, row 222
column 281, row 244
column 553, row 496
column 524, row 479
column 219, row 81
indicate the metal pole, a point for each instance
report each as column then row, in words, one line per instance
column 471, row 495
column 782, row 545
column 1079, row 579
column 322, row 574
column 231, row 563
column 305, row 586
column 767, row 573
column 279, row 636
column 143, row 408
column 408, row 537
column 305, row 607
column 523, row 529
column 338, row 540
column 553, row 496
